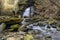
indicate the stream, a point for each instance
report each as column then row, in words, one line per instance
column 46, row 30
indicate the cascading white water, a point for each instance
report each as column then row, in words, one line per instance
column 28, row 11
column 45, row 30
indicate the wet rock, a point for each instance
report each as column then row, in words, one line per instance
column 55, row 36
column 2, row 27
column 58, row 28
column 41, row 24
column 2, row 38
column 48, row 38
column 25, row 21
column 36, row 31
column 38, row 37
column 14, row 27
column 23, row 28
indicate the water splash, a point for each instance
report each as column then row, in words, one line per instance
column 44, row 30
column 28, row 12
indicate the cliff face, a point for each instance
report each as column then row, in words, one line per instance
column 47, row 9
column 50, row 7
column 43, row 8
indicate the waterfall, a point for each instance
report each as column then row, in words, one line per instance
column 28, row 12
column 46, row 30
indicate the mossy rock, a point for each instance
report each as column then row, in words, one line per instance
column 22, row 1
column 13, row 27
column 58, row 28
column 37, row 19
column 41, row 24
column 3, row 25
column 9, row 20
column 48, row 38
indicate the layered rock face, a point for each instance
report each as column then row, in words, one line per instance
column 47, row 10
column 42, row 7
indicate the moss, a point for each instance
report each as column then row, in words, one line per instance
column 10, row 20
column 58, row 27
column 16, row 26
column 37, row 19
column 11, row 29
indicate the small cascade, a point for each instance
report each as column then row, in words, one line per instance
column 46, row 30
column 28, row 12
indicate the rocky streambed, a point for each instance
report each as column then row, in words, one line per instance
column 39, row 20
column 34, row 32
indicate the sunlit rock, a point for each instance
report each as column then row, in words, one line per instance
column 10, row 4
